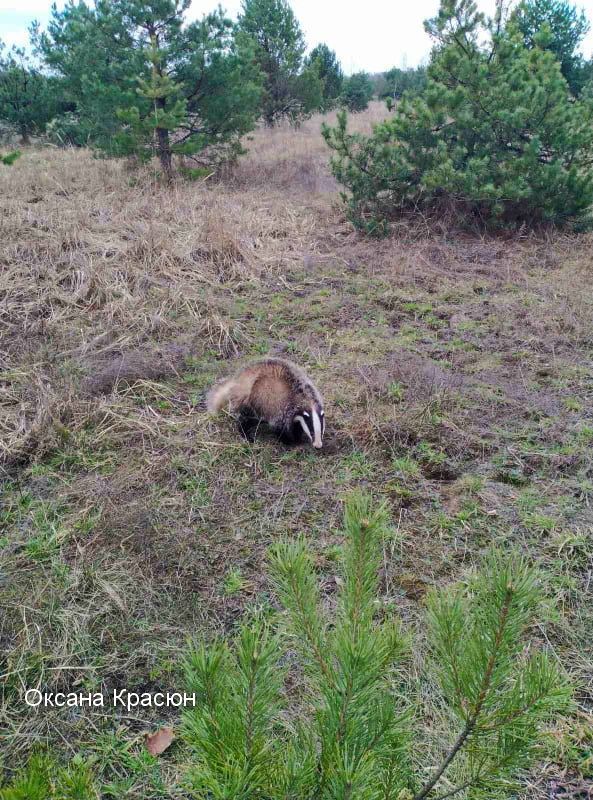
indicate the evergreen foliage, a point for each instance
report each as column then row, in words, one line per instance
column 495, row 138
column 41, row 779
column 28, row 98
column 9, row 159
column 144, row 83
column 558, row 26
column 93, row 50
column 399, row 81
column 357, row 92
column 67, row 130
column 329, row 70
column 292, row 88
column 350, row 732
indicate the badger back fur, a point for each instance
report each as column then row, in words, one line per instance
column 276, row 392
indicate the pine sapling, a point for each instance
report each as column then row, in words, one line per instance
column 344, row 728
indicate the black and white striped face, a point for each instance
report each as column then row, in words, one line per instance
column 312, row 422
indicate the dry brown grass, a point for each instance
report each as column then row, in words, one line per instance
column 96, row 260
column 456, row 369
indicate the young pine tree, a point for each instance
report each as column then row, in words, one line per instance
column 42, row 779
column 94, row 51
column 149, row 129
column 348, row 731
column 357, row 92
column 291, row 90
column 495, row 138
column 147, row 84
column 325, row 63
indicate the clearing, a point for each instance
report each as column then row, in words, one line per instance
column 458, row 377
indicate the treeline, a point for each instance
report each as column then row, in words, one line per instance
column 393, row 84
column 497, row 128
column 134, row 78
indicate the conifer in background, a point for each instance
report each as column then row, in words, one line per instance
column 329, row 70
column 357, row 92
column 558, row 26
column 292, row 87
column 28, row 98
column 345, row 728
column 494, row 139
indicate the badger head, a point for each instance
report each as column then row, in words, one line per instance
column 311, row 420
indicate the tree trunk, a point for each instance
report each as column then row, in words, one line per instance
column 164, row 148
column 25, row 139
column 162, row 134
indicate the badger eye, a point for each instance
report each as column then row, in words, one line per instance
column 306, row 414
column 322, row 413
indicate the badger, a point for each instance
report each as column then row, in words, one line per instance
column 276, row 392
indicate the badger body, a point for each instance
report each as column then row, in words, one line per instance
column 276, row 392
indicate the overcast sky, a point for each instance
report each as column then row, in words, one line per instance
column 371, row 35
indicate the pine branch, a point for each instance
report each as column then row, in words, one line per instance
column 473, row 718
column 346, row 740
column 291, row 571
column 456, row 790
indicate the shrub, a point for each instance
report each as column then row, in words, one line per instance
column 9, row 158
column 350, row 731
column 495, row 136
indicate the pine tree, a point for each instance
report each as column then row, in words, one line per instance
column 328, row 68
column 350, row 732
column 146, row 84
column 166, row 107
column 290, row 90
column 494, row 139
column 357, row 92
column 558, row 26
column 94, row 51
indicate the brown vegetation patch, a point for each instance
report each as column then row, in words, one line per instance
column 126, row 368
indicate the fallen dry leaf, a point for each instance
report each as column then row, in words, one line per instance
column 157, row 743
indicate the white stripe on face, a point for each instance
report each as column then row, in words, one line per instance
column 304, row 426
column 318, row 430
